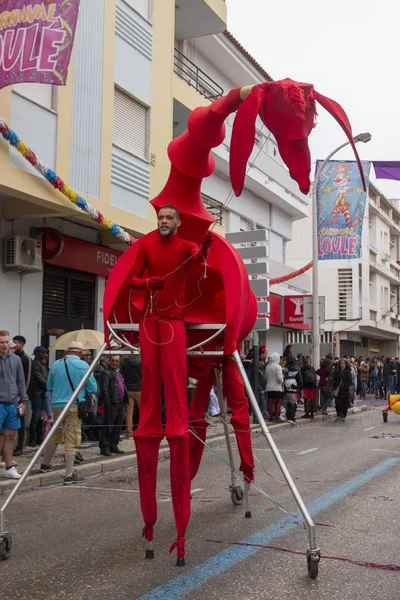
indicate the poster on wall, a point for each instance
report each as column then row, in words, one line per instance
column 340, row 209
column 36, row 40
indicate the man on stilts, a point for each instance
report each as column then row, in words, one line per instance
column 160, row 271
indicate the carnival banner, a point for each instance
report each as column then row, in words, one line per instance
column 340, row 209
column 36, row 40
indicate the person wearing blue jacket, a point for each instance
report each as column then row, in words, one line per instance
column 64, row 377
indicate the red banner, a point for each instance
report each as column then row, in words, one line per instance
column 36, row 40
column 78, row 255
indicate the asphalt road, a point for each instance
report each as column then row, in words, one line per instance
column 84, row 542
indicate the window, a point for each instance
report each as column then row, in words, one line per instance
column 130, row 127
column 41, row 93
column 345, row 293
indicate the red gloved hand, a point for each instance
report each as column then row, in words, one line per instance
column 155, row 283
column 207, row 241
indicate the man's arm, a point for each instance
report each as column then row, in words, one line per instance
column 20, row 379
column 137, row 280
column 104, row 382
column 50, row 381
column 40, row 378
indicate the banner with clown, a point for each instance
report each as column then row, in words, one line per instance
column 340, row 209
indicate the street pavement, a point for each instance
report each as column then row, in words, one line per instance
column 83, row 542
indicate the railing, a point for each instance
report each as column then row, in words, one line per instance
column 196, row 77
column 215, row 208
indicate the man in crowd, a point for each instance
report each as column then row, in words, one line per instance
column 37, row 392
column 19, row 345
column 12, row 388
column 64, row 377
column 111, row 397
column 131, row 369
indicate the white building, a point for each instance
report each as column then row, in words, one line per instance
column 361, row 295
column 271, row 199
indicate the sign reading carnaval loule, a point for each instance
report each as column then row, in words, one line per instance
column 340, row 209
column 36, row 40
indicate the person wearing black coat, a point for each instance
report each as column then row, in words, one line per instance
column 37, row 390
column 342, row 380
column 131, row 369
column 112, row 394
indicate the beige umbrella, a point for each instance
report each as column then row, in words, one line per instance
column 89, row 338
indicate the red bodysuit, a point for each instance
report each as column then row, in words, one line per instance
column 162, row 337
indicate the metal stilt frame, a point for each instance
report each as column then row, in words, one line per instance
column 313, row 553
column 237, row 494
column 5, row 536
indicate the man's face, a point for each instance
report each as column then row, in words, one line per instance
column 114, row 362
column 4, row 341
column 18, row 346
column 168, row 222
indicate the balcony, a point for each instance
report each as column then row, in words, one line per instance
column 196, row 77
column 196, row 18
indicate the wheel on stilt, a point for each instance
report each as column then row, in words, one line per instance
column 237, row 495
column 385, row 416
column 180, row 561
column 313, row 559
column 5, row 547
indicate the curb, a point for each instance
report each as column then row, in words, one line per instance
column 97, row 466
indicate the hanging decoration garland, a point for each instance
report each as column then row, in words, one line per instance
column 292, row 275
column 11, row 137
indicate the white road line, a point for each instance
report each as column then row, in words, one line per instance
column 369, row 428
column 89, row 487
column 169, row 499
column 306, row 451
column 383, row 450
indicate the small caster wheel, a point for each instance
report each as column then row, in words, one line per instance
column 149, row 554
column 5, row 548
column 247, row 514
column 385, row 416
column 312, row 567
column 237, row 495
column 180, row 561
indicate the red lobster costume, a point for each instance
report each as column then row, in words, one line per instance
column 288, row 110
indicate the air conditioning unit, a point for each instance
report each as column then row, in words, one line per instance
column 23, row 254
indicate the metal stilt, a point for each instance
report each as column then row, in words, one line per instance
column 5, row 537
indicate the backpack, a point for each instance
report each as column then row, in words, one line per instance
column 309, row 376
column 290, row 383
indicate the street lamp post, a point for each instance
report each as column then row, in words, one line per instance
column 362, row 137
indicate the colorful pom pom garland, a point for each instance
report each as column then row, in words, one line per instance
column 11, row 137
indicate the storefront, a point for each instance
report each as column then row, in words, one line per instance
column 74, row 276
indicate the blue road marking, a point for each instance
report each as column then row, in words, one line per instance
column 218, row 564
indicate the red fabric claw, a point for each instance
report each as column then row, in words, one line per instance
column 180, row 545
column 147, row 533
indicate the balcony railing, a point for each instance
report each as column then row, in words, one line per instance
column 215, row 208
column 196, row 77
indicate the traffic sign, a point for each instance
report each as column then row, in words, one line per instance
column 257, row 268
column 260, row 287
column 263, row 307
column 253, row 252
column 261, row 324
column 246, row 237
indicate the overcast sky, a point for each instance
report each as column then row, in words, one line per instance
column 348, row 49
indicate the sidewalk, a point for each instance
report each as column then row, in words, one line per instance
column 94, row 463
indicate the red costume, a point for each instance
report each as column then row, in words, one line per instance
column 162, row 337
column 288, row 110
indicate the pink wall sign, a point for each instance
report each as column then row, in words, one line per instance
column 36, row 40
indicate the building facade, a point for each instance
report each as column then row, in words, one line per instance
column 361, row 295
column 138, row 68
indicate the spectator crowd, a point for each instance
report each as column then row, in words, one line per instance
column 106, row 410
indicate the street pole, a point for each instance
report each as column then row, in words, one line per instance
column 362, row 137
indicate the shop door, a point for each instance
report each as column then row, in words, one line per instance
column 68, row 301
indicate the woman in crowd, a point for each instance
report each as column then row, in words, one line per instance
column 364, row 378
column 342, row 380
column 274, row 379
column 325, row 393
